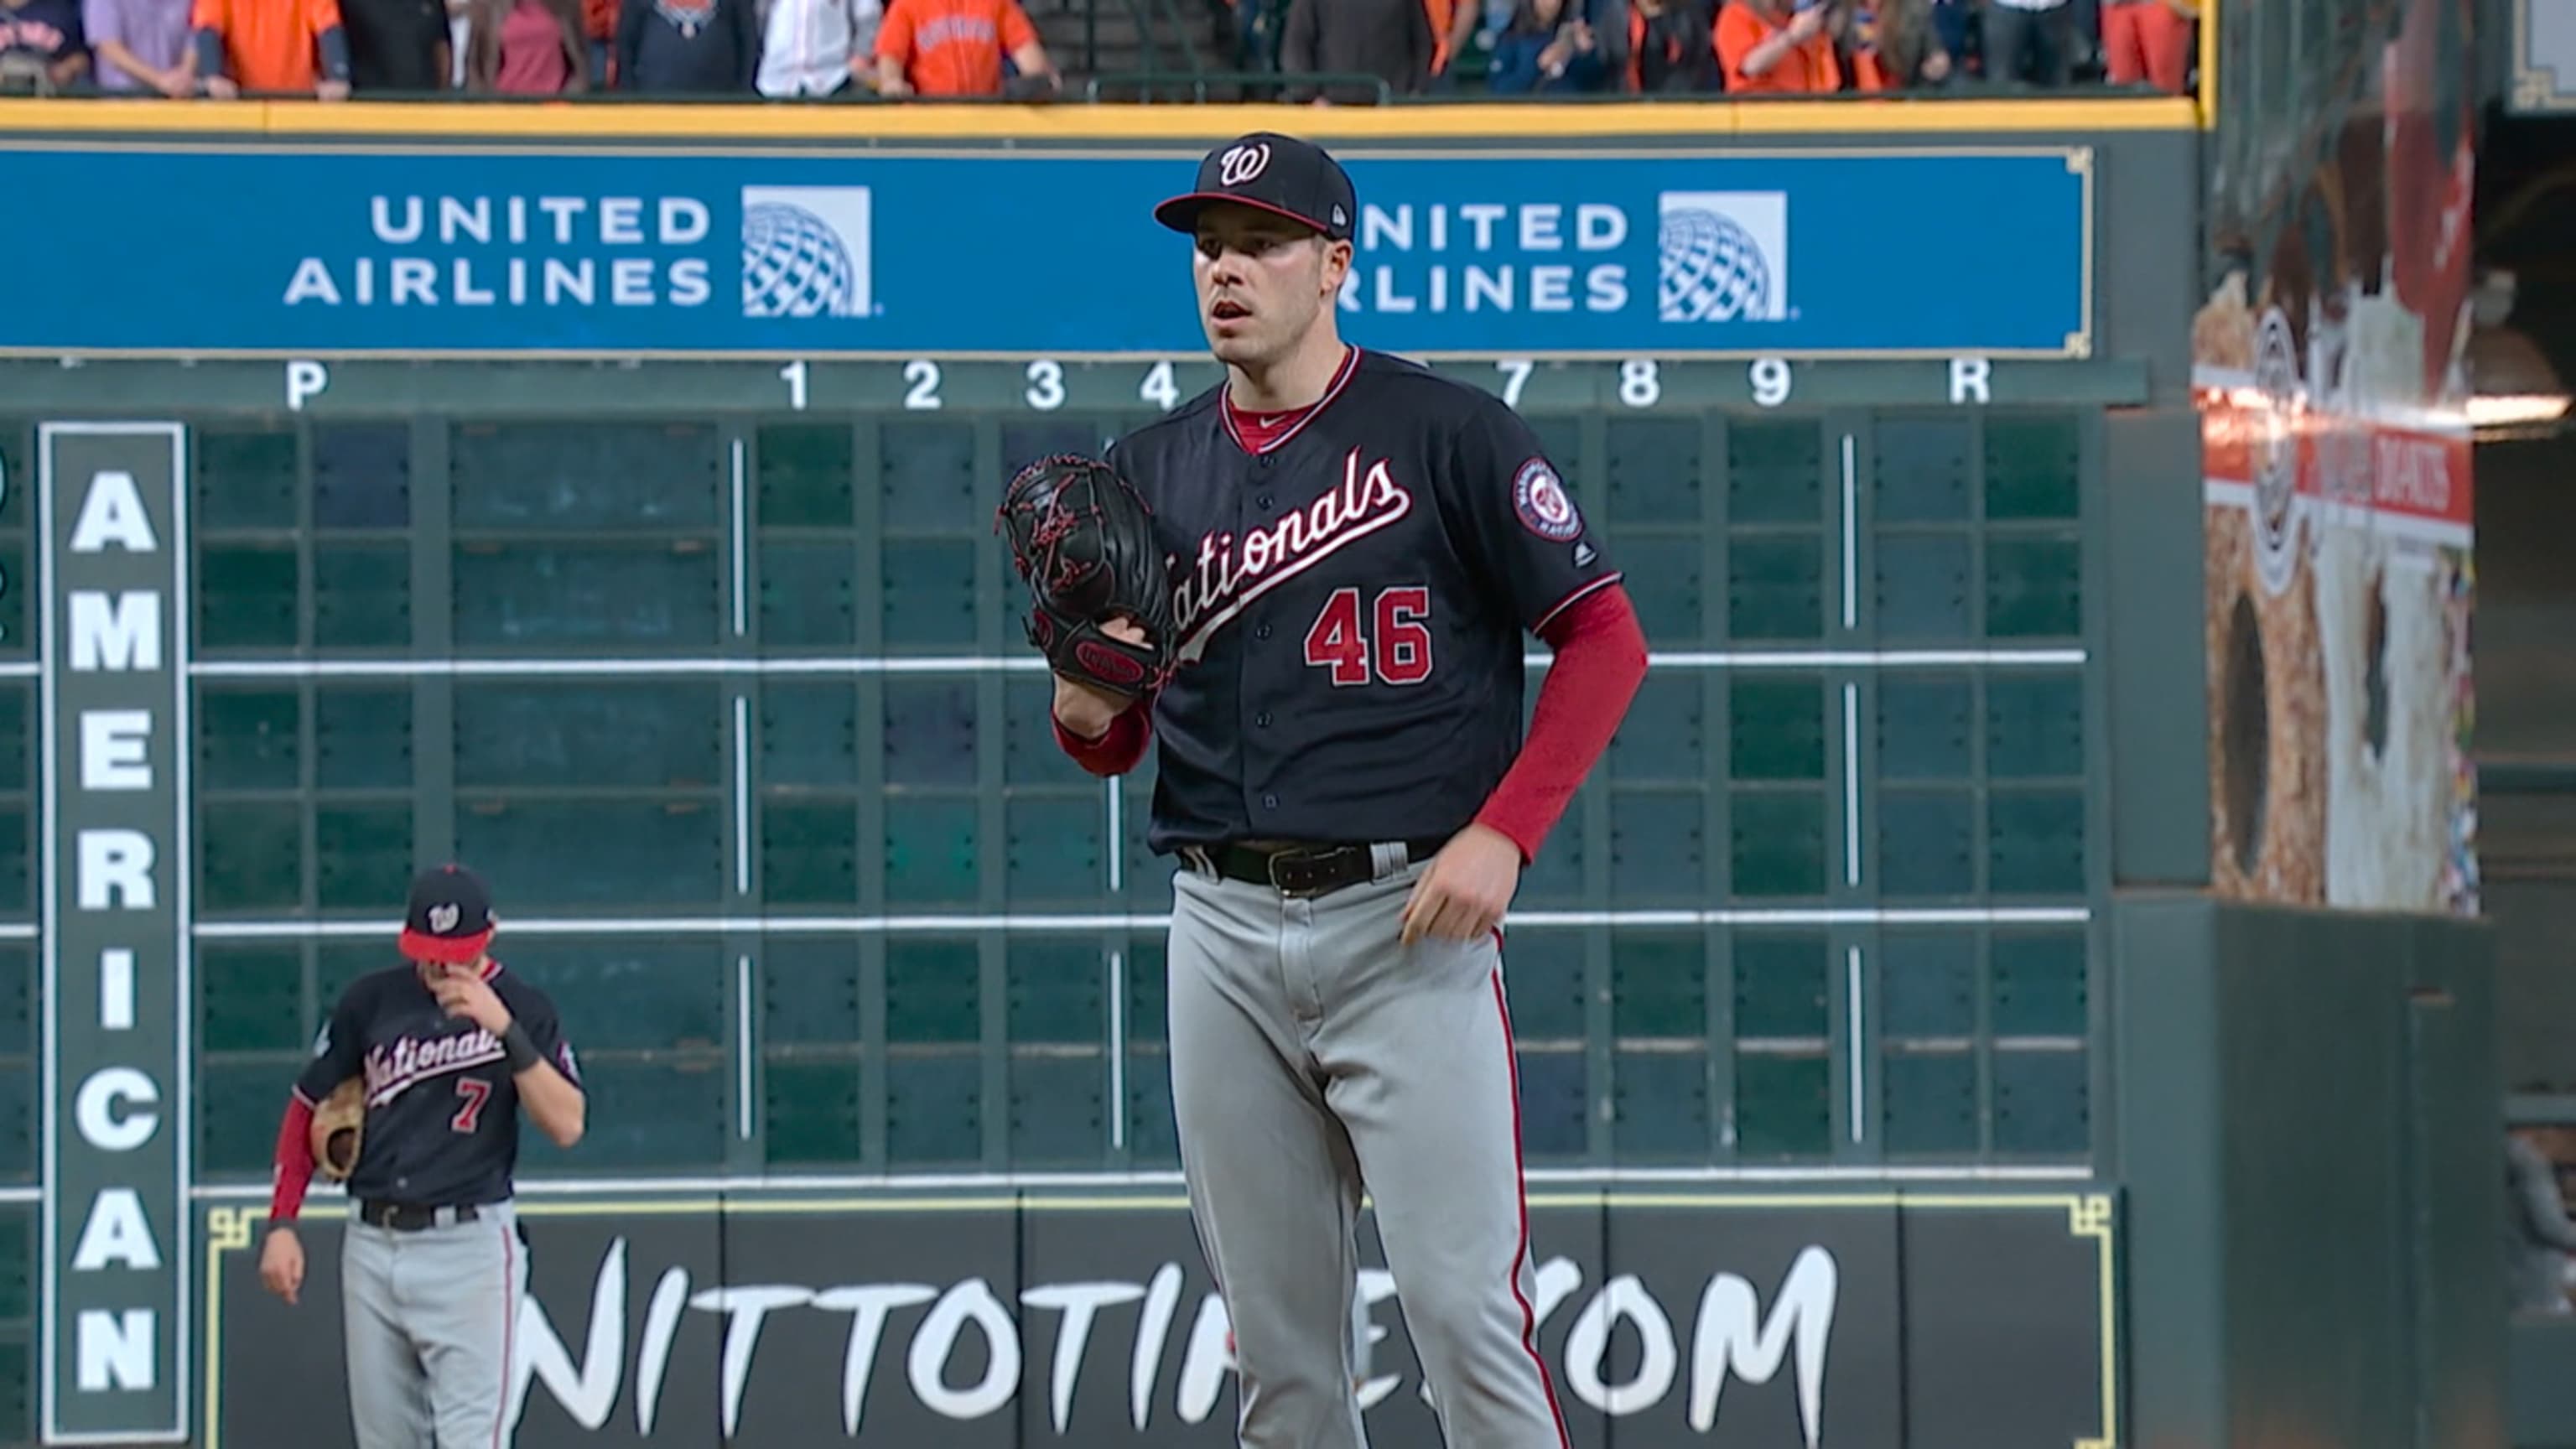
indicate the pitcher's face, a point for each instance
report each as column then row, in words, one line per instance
column 1263, row 281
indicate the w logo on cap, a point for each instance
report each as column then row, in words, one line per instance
column 1243, row 163
column 443, row 918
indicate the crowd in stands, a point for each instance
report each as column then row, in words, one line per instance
column 333, row 49
column 1354, row 49
column 1739, row 47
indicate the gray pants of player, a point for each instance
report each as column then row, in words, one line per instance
column 431, row 1321
column 1312, row 1053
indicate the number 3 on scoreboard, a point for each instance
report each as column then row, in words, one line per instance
column 1338, row 643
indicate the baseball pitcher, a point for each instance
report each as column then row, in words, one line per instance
column 1312, row 586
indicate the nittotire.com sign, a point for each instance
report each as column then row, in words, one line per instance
column 1848, row 1319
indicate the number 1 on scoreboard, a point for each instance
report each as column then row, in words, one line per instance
column 794, row 373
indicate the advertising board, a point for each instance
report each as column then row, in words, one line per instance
column 428, row 251
column 1858, row 1319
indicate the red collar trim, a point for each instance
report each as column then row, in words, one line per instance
column 1256, row 435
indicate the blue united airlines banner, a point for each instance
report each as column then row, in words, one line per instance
column 1668, row 253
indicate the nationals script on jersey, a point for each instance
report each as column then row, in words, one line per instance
column 1353, row 598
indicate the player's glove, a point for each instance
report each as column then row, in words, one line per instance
column 1082, row 539
column 339, row 1125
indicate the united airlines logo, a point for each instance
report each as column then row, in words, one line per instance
column 1232, row 571
column 805, row 252
column 1722, row 256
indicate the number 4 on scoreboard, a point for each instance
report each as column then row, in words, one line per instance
column 1337, row 642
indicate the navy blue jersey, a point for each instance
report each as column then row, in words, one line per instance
column 1352, row 602
column 442, row 1122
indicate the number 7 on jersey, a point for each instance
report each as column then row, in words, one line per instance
column 1393, row 645
column 476, row 1092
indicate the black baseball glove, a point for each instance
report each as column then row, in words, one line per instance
column 1083, row 541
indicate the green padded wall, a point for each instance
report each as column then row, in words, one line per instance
column 2311, row 1141
column 1826, row 900
column 1777, row 786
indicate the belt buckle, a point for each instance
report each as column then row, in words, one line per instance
column 1279, row 878
column 1317, row 861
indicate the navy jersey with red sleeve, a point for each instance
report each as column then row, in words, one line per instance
column 442, row 1125
column 1352, row 593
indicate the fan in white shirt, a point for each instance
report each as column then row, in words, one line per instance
column 814, row 47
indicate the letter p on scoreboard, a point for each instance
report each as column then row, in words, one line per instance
column 113, row 1327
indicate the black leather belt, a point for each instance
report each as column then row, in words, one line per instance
column 403, row 1217
column 1310, row 870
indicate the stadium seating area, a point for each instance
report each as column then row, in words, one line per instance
column 1338, row 51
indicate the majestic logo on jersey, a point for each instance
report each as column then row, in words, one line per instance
column 1539, row 497
column 1232, row 572
column 395, row 1069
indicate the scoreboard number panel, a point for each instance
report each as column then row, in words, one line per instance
column 1028, row 384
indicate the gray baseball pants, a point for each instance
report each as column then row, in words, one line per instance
column 1313, row 1057
column 431, row 1320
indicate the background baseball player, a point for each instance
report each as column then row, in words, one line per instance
column 1355, row 548
column 440, row 1054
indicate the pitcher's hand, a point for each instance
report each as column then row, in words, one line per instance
column 1467, row 889
column 1086, row 711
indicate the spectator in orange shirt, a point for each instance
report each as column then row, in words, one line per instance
column 271, row 46
column 956, row 48
column 1763, row 47
column 2148, row 40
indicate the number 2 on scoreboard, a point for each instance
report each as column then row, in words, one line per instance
column 1337, row 642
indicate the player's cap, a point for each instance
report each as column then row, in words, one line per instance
column 1278, row 174
column 450, row 916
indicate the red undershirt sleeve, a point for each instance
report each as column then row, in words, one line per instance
column 294, row 1161
column 1116, row 752
column 1600, row 661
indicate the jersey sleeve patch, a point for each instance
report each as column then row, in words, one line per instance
column 1545, row 508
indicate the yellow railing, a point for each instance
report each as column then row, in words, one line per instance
column 719, row 124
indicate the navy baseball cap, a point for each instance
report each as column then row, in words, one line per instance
column 1277, row 174
column 449, row 919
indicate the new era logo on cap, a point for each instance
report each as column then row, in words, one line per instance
column 450, row 916
column 1270, row 172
